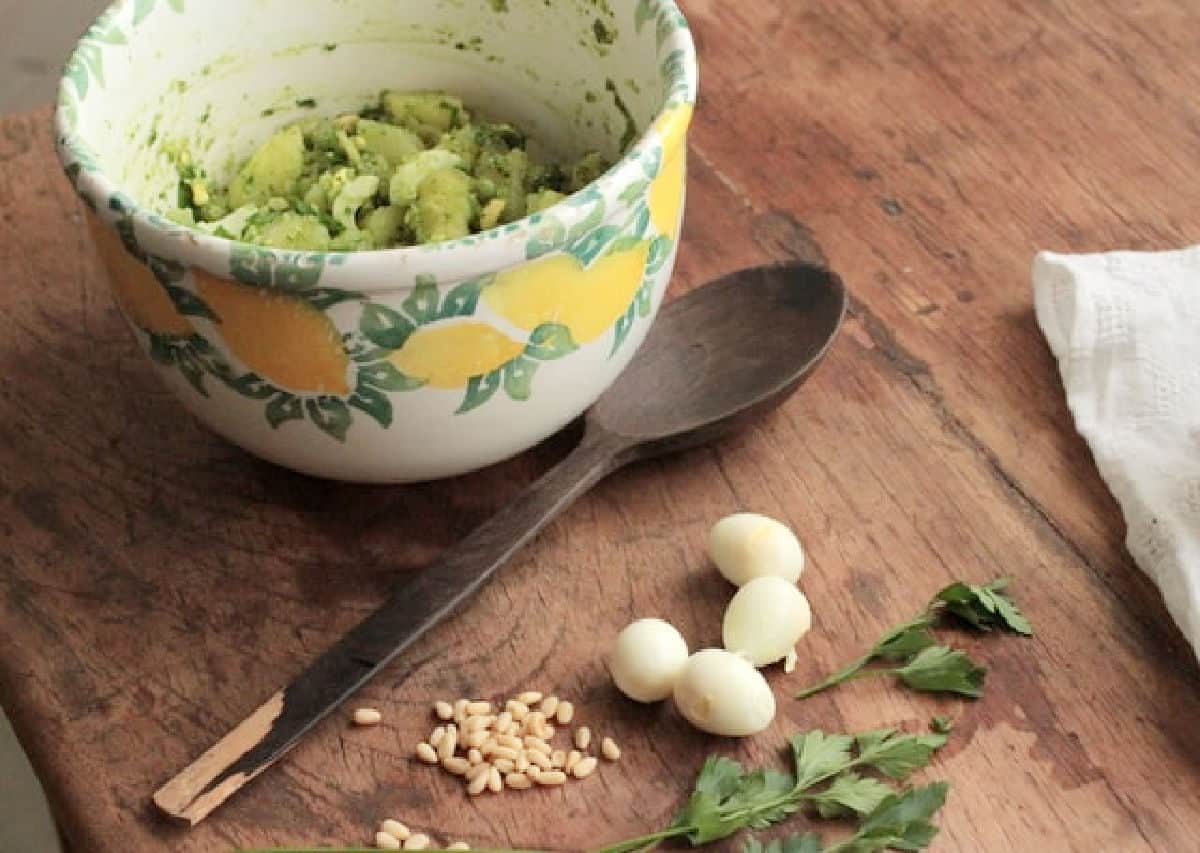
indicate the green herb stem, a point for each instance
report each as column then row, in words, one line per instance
column 846, row 673
column 645, row 842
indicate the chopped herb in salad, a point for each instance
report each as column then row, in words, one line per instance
column 413, row 168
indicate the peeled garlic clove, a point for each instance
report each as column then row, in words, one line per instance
column 721, row 693
column 746, row 545
column 646, row 659
column 765, row 619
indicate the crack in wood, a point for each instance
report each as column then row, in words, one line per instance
column 918, row 373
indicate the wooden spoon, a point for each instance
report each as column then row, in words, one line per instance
column 715, row 359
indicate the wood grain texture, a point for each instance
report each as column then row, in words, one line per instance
column 717, row 360
column 156, row 583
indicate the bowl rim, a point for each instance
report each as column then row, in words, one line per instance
column 448, row 261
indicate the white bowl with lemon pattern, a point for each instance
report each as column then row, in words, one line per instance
column 402, row 364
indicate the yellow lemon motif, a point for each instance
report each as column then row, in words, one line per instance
column 666, row 193
column 447, row 355
column 134, row 287
column 282, row 339
column 558, row 289
column 672, row 125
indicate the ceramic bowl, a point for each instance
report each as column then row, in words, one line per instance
column 401, row 364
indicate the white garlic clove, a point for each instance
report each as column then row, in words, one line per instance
column 721, row 693
column 646, row 659
column 747, row 545
column 765, row 620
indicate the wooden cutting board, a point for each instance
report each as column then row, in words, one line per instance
column 156, row 584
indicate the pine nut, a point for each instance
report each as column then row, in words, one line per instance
column 549, row 706
column 536, row 743
column 509, row 741
column 395, row 829
column 609, row 749
column 558, row 758
column 583, row 737
column 529, row 697
column 541, row 759
column 459, row 845
column 476, row 739
column 449, row 743
column 584, row 768
column 474, row 756
column 533, row 772
column 435, row 736
column 384, row 841
column 419, row 841
column 518, row 781
column 505, row 765
column 495, row 781
column 565, row 712
column 475, row 786
column 460, row 711
column 522, row 763
column 475, row 709
column 505, row 752
column 444, row 710
column 475, row 723
column 479, row 770
column 503, row 722
column 551, row 777
column 547, row 731
column 534, row 721
column 517, row 710
column 457, row 766
column 427, row 753
column 573, row 758
column 367, row 717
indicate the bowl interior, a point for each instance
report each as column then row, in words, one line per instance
column 214, row 78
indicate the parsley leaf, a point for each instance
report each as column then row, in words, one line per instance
column 719, row 776
column 941, row 669
column 898, row 822
column 850, row 793
column 899, row 644
column 726, row 799
column 897, row 756
column 764, row 797
column 941, row 725
column 983, row 607
column 899, row 812
column 925, row 664
column 809, row 842
column 819, row 756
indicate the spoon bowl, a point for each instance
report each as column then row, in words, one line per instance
column 717, row 357
column 722, row 352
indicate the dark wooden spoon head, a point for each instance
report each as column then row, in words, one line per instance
column 722, row 354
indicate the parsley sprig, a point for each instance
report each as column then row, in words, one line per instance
column 924, row 664
column 901, row 822
column 828, row 780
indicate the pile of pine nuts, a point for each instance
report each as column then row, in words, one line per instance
column 510, row 747
column 393, row 835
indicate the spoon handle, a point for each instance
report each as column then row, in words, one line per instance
column 414, row 606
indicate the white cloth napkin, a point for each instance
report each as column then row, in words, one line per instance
column 1125, row 327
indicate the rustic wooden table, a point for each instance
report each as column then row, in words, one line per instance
column 157, row 583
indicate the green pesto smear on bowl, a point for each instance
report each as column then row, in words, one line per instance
column 413, row 168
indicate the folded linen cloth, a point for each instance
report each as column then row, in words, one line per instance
column 1125, row 327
